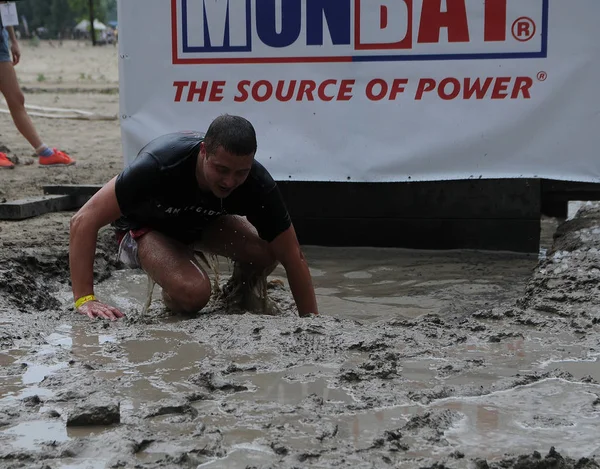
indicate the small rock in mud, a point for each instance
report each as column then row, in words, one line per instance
column 279, row 449
column 94, row 414
column 350, row 376
column 215, row 382
column 53, row 414
column 32, row 401
column 328, row 431
column 457, row 454
column 171, row 407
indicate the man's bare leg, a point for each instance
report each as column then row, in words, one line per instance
column 171, row 264
column 235, row 238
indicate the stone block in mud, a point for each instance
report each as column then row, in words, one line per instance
column 171, row 408
column 35, row 206
column 94, row 414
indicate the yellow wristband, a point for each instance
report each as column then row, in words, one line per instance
column 83, row 300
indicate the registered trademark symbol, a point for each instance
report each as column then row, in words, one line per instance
column 541, row 76
column 523, row 29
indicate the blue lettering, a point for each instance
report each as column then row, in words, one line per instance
column 266, row 24
column 337, row 14
column 216, row 25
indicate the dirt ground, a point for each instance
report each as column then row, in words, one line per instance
column 427, row 360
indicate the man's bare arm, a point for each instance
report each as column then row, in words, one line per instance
column 99, row 211
column 287, row 251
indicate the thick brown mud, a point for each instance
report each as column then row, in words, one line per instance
column 419, row 360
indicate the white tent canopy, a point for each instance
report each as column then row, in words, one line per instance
column 84, row 25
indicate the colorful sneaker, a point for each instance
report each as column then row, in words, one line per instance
column 59, row 158
column 5, row 163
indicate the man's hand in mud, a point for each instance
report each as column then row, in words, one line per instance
column 95, row 309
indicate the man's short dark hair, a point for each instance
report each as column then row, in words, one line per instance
column 234, row 133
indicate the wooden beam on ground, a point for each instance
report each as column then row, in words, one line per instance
column 36, row 206
column 85, row 190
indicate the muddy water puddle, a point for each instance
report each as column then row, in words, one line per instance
column 236, row 391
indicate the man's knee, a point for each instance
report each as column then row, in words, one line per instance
column 188, row 297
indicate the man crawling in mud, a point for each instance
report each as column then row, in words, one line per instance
column 187, row 193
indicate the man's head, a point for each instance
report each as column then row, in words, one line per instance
column 226, row 155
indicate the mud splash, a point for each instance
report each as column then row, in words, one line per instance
column 455, row 360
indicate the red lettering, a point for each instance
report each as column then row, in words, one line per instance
column 433, row 19
column 194, row 90
column 382, row 92
column 321, row 92
column 180, row 86
column 494, row 23
column 345, row 92
column 383, row 17
column 523, row 29
column 266, row 95
column 425, row 86
column 522, row 85
column 243, row 96
column 451, row 88
column 307, row 87
column 290, row 91
column 397, row 87
column 500, row 85
column 455, row 88
column 216, row 91
column 476, row 88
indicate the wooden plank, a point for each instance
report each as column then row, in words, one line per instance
column 73, row 189
column 35, row 206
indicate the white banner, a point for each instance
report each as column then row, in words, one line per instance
column 373, row 90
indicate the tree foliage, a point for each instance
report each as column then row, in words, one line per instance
column 60, row 16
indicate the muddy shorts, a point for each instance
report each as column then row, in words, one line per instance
column 128, row 248
column 4, row 52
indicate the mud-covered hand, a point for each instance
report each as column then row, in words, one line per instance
column 15, row 51
column 96, row 309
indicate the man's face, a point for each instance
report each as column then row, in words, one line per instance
column 223, row 172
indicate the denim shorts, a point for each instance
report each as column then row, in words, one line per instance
column 4, row 52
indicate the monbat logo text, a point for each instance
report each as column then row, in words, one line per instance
column 287, row 31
